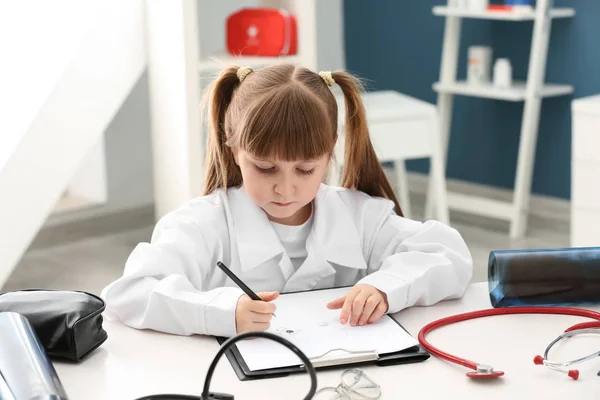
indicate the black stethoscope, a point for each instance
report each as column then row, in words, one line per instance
column 486, row 371
column 208, row 395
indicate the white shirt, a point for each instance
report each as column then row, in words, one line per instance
column 172, row 284
column 293, row 238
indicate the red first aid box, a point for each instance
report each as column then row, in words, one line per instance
column 265, row 32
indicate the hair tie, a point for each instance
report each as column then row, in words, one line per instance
column 326, row 75
column 243, row 72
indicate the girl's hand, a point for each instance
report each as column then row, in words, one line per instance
column 255, row 315
column 363, row 304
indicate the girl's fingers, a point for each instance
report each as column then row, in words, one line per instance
column 262, row 307
column 337, row 303
column 347, row 307
column 378, row 312
column 358, row 306
column 370, row 305
column 260, row 317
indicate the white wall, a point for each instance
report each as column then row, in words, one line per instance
column 89, row 182
column 46, row 42
column 31, row 65
column 331, row 55
column 98, row 76
column 128, row 159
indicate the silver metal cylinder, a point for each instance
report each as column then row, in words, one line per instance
column 26, row 373
column 5, row 393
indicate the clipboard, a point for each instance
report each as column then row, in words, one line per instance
column 412, row 354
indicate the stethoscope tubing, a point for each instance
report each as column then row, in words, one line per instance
column 500, row 311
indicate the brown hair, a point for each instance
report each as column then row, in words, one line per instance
column 289, row 113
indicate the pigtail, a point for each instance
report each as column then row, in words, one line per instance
column 362, row 169
column 221, row 169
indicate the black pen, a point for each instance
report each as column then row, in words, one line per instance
column 239, row 282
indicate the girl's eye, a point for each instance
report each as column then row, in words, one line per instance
column 265, row 170
column 272, row 170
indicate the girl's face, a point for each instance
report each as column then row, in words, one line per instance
column 283, row 189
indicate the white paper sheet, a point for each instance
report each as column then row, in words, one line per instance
column 304, row 319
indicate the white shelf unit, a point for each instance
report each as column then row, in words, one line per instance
column 500, row 15
column 530, row 92
column 517, row 92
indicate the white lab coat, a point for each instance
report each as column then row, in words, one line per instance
column 172, row 284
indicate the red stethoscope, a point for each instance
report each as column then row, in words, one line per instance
column 486, row 371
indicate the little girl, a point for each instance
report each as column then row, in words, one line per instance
column 268, row 217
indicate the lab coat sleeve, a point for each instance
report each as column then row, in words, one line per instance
column 164, row 286
column 417, row 263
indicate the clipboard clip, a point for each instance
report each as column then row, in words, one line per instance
column 351, row 357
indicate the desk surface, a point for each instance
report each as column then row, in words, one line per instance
column 133, row 363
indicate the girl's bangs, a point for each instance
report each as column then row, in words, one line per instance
column 287, row 124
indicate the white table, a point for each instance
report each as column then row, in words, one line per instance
column 134, row 363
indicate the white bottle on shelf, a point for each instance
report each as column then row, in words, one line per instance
column 502, row 73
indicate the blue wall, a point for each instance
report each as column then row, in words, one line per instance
column 396, row 44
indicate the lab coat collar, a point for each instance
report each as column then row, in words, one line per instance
column 333, row 237
column 256, row 239
column 335, row 231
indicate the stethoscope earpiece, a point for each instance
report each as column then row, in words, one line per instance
column 538, row 360
column 572, row 373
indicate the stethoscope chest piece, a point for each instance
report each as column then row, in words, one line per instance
column 484, row 372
